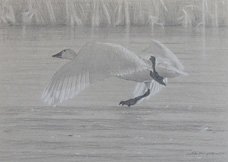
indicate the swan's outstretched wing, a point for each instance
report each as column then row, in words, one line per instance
column 95, row 62
column 163, row 55
column 167, row 64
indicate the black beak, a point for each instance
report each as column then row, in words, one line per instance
column 58, row 55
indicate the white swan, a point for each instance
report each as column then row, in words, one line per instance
column 97, row 61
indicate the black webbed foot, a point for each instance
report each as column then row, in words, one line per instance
column 154, row 74
column 128, row 102
column 152, row 59
column 133, row 101
column 157, row 77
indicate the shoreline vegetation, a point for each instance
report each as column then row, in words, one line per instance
column 98, row 13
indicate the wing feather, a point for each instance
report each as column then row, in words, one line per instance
column 95, row 62
column 153, row 85
column 140, row 89
column 167, row 64
column 162, row 54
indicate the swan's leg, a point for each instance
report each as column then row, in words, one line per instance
column 154, row 74
column 133, row 101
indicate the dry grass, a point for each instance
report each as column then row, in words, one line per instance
column 188, row 13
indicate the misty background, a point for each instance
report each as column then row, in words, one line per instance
column 187, row 121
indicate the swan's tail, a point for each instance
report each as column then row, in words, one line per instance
column 181, row 72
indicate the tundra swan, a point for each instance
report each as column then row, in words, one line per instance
column 97, row 61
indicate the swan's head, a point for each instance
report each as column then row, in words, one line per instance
column 66, row 54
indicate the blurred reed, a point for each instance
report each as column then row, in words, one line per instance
column 187, row 13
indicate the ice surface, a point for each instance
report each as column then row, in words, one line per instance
column 186, row 121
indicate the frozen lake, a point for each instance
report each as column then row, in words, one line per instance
column 186, row 121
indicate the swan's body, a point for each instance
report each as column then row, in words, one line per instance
column 98, row 61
